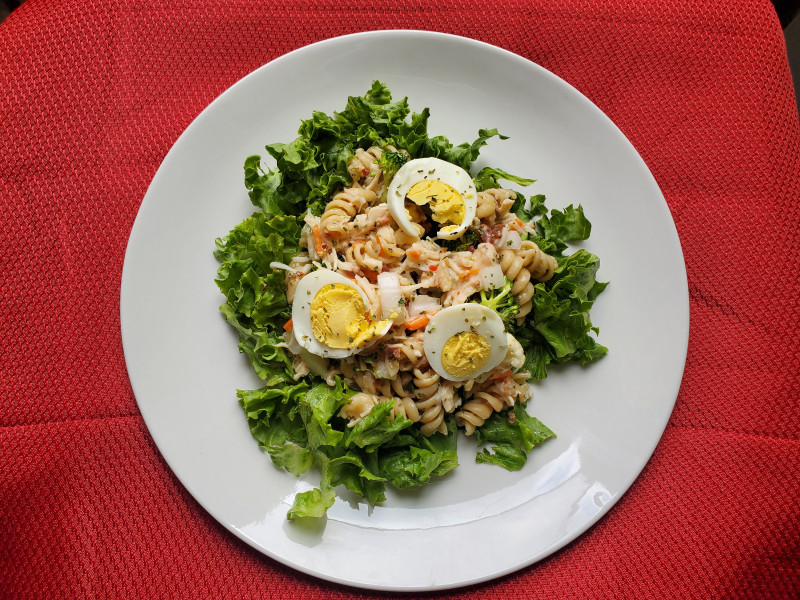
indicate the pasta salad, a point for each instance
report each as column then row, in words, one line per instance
column 389, row 299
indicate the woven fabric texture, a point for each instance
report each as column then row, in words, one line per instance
column 94, row 95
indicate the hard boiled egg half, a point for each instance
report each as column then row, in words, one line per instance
column 464, row 341
column 331, row 316
column 446, row 189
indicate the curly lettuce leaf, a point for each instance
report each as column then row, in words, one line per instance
column 310, row 168
column 293, row 457
column 489, row 177
column 272, row 421
column 255, row 292
column 270, row 362
column 414, row 459
column 273, row 191
column 559, row 328
column 569, row 225
column 377, row 428
column 317, row 408
column 357, row 470
column 312, row 504
column 462, row 155
column 510, row 436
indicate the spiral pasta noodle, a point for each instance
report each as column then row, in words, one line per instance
column 361, row 404
column 358, row 407
column 342, row 208
column 513, row 265
column 395, row 385
column 405, row 406
column 479, row 408
column 494, row 204
column 409, row 350
column 429, row 401
column 357, row 236
column 542, row 266
column 489, row 397
column 523, row 265
column 363, row 256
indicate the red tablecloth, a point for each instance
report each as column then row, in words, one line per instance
column 92, row 96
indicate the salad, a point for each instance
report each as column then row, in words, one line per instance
column 390, row 300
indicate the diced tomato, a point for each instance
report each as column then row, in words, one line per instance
column 288, row 325
column 371, row 275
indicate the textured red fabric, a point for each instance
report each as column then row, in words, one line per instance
column 95, row 93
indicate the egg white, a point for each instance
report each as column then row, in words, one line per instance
column 437, row 169
column 457, row 319
column 305, row 292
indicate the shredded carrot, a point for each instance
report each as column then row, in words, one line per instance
column 380, row 245
column 318, row 241
column 501, row 375
column 469, row 273
column 288, row 325
column 417, row 322
column 414, row 254
column 517, row 225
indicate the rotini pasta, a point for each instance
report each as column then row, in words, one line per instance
column 345, row 205
column 523, row 265
column 357, row 236
column 491, row 396
column 429, row 401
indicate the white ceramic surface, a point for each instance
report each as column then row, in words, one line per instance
column 481, row 521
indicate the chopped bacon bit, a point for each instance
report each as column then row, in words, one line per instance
column 396, row 353
column 371, row 275
column 489, row 235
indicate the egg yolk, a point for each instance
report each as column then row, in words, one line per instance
column 339, row 318
column 465, row 353
column 445, row 202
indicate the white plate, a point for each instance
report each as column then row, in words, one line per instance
column 480, row 522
